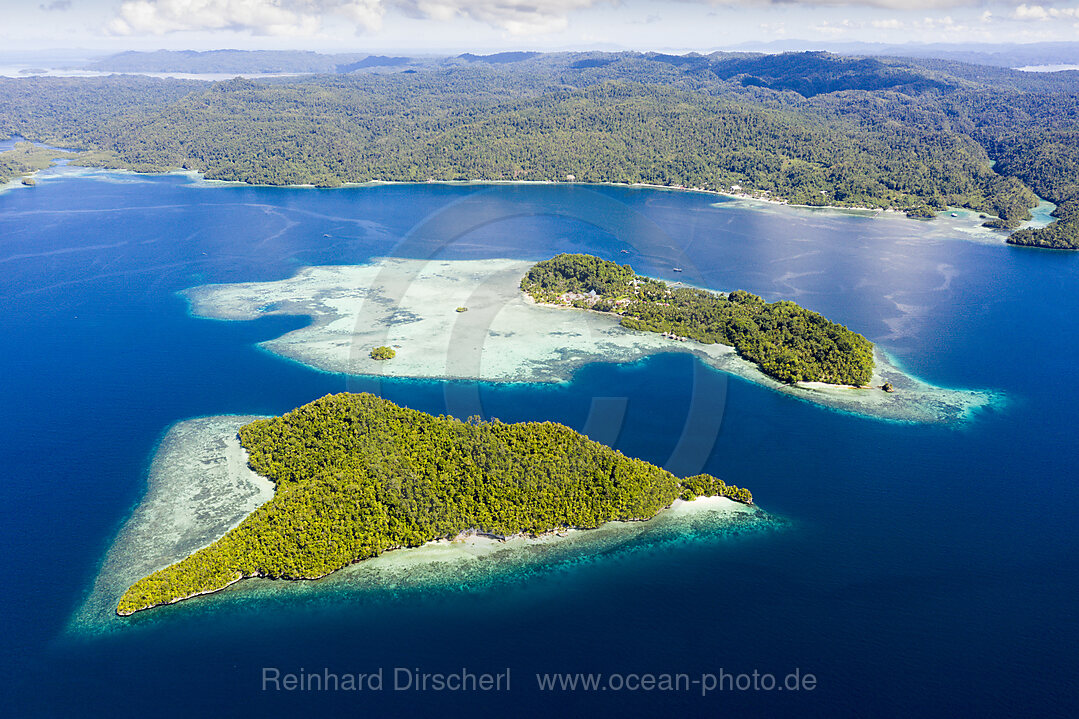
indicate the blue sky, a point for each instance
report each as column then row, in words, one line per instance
column 484, row 25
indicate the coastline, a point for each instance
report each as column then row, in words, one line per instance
column 197, row 491
column 480, row 544
column 1039, row 212
column 506, row 337
column 200, row 179
column 733, row 197
column 966, row 225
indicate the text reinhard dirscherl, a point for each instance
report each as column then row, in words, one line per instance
column 399, row 679
column 403, row 679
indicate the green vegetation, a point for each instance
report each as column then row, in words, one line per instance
column 787, row 342
column 921, row 213
column 383, row 353
column 357, row 475
column 1061, row 235
column 811, row 128
column 24, row 159
column 705, row 485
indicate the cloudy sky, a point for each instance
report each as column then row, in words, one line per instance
column 457, row 25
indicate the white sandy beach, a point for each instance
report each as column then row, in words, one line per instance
column 953, row 223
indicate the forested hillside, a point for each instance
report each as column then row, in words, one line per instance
column 356, row 475
column 810, row 128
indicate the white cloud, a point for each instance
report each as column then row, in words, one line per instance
column 366, row 14
column 923, row 28
column 304, row 17
column 774, row 29
column 1023, row 5
column 1030, row 12
column 513, row 17
column 263, row 17
column 517, row 17
column 1041, row 12
column 930, row 22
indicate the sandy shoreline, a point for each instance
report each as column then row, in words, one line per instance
column 965, row 225
column 737, row 197
column 410, row 305
column 971, row 224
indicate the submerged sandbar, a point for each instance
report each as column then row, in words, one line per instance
column 411, row 306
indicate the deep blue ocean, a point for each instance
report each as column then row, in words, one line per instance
column 923, row 571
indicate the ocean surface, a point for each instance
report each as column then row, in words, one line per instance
column 918, row 570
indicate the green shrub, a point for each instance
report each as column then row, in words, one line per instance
column 383, row 353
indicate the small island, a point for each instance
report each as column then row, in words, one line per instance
column 356, row 475
column 383, row 353
column 507, row 336
column 787, row 342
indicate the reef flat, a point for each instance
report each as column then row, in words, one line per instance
column 199, row 487
column 411, row 306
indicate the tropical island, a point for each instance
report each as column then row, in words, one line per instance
column 914, row 135
column 787, row 342
column 356, row 475
column 506, row 336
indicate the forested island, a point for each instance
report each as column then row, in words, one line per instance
column 356, row 475
column 787, row 342
column 917, row 135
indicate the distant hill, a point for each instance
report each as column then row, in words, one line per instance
column 223, row 61
column 813, row 128
column 1009, row 55
column 499, row 57
column 807, row 73
column 373, row 61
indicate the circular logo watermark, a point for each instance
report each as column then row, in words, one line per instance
column 467, row 338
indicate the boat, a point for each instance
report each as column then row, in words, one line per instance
column 677, row 269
